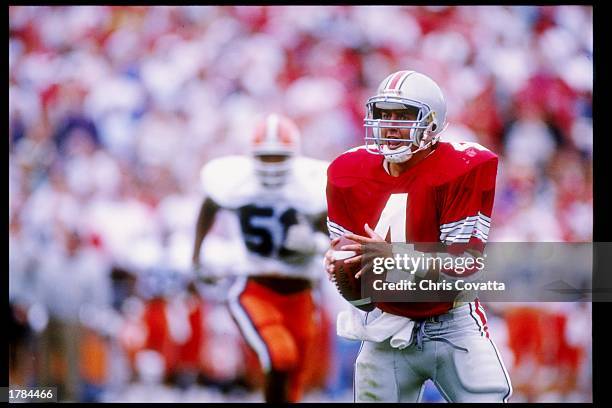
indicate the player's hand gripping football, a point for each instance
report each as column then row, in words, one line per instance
column 366, row 258
column 329, row 258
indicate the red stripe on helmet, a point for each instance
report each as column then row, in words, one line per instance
column 396, row 79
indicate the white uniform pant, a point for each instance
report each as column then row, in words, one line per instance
column 453, row 350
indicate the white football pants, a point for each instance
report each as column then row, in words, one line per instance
column 453, row 350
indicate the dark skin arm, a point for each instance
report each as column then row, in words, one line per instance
column 206, row 219
column 321, row 223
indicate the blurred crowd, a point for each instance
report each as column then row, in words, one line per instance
column 114, row 109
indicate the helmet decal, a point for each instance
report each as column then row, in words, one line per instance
column 396, row 80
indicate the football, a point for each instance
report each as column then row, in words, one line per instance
column 344, row 277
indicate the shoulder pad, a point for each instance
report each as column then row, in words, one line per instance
column 228, row 180
column 353, row 165
column 310, row 180
column 458, row 159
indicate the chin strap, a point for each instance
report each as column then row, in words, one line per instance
column 432, row 141
column 425, row 143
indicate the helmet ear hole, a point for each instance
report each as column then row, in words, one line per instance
column 434, row 127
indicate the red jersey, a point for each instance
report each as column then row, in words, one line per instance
column 447, row 197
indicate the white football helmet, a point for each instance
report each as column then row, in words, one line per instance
column 274, row 144
column 405, row 90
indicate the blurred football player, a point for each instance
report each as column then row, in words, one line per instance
column 404, row 186
column 279, row 198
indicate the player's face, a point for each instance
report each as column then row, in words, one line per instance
column 396, row 133
column 272, row 169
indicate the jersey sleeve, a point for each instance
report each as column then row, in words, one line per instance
column 467, row 203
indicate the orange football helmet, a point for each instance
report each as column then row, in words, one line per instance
column 274, row 143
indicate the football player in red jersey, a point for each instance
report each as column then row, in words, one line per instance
column 279, row 199
column 405, row 186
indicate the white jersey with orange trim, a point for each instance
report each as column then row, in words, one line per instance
column 268, row 216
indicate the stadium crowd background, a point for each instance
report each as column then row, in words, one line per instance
column 113, row 110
